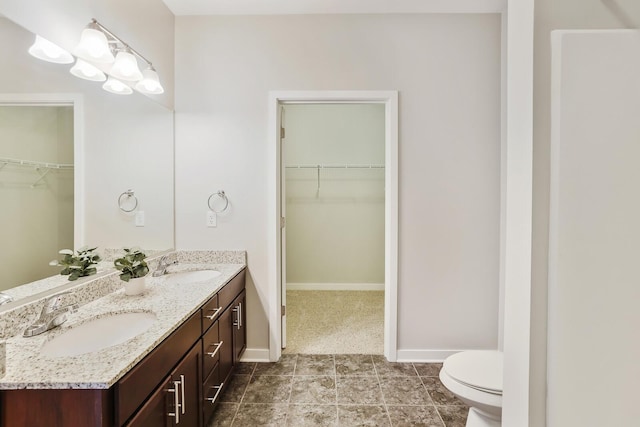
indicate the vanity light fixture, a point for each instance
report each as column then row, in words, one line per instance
column 93, row 45
column 47, row 51
column 126, row 66
column 96, row 61
column 150, row 82
column 86, row 71
column 114, row 85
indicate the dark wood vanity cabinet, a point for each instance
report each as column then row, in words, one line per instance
column 177, row 384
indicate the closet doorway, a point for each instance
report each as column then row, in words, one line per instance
column 333, row 157
column 337, row 201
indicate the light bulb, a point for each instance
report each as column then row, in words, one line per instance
column 116, row 86
column 94, row 47
column 125, row 67
column 47, row 51
column 87, row 71
column 150, row 83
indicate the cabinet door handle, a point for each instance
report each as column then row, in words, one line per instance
column 238, row 311
column 215, row 313
column 214, row 398
column 218, row 345
column 176, row 402
column 183, row 406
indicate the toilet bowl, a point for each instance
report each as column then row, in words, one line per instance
column 475, row 377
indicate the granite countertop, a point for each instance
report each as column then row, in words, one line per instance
column 28, row 367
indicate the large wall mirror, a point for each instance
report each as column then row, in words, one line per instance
column 68, row 152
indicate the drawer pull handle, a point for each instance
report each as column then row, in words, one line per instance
column 214, row 398
column 215, row 313
column 218, row 345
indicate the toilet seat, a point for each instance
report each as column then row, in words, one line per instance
column 478, row 369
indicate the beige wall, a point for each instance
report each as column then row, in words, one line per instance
column 447, row 71
column 550, row 15
column 35, row 222
column 335, row 223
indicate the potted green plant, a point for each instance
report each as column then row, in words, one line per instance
column 133, row 268
column 77, row 265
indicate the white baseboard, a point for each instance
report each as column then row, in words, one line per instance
column 424, row 356
column 335, row 286
column 255, row 355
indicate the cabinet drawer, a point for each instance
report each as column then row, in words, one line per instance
column 210, row 312
column 211, row 392
column 132, row 390
column 230, row 291
column 212, row 346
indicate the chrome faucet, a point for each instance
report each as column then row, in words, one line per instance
column 52, row 315
column 162, row 266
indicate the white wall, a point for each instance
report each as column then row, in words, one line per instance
column 35, row 222
column 128, row 143
column 447, row 71
column 594, row 230
column 146, row 25
column 335, row 217
column 550, row 15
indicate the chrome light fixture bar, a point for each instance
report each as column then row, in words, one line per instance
column 101, row 55
column 125, row 66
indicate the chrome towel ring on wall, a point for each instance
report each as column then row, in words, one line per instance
column 127, row 195
column 223, row 197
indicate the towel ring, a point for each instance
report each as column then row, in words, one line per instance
column 222, row 196
column 129, row 194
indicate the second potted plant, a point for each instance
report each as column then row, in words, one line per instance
column 133, row 268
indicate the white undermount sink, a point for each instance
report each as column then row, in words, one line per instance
column 99, row 333
column 185, row 277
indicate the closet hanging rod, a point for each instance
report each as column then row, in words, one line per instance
column 371, row 166
column 29, row 163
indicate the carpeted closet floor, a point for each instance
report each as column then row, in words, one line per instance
column 335, row 322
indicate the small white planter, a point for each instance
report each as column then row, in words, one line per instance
column 135, row 286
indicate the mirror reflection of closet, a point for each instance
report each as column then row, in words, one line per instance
column 36, row 189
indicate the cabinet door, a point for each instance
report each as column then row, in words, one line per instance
column 239, row 322
column 155, row 412
column 188, row 378
column 225, row 326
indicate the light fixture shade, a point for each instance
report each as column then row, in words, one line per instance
column 86, row 71
column 116, row 86
column 47, row 51
column 94, row 47
column 125, row 67
column 150, row 83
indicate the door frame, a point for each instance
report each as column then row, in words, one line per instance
column 390, row 101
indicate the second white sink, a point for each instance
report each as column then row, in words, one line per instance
column 184, row 277
column 99, row 333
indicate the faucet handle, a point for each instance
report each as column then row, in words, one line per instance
column 52, row 302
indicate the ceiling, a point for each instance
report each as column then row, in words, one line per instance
column 294, row 7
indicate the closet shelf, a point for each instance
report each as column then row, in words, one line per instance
column 36, row 165
column 336, row 166
column 42, row 168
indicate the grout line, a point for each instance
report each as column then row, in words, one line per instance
column 433, row 402
column 233, row 420
column 384, row 401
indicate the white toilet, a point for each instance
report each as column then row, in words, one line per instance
column 475, row 377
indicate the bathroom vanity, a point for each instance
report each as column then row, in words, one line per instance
column 171, row 374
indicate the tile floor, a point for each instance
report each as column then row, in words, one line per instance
column 337, row 390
